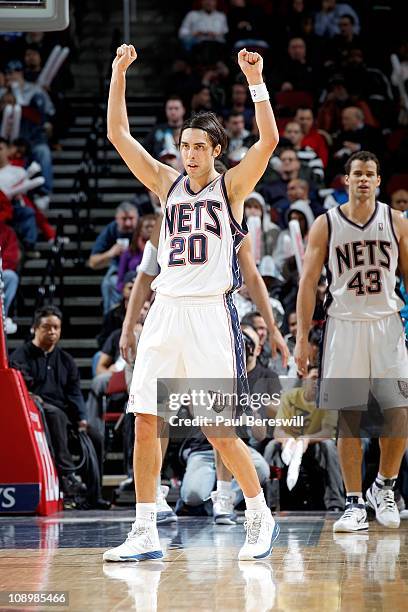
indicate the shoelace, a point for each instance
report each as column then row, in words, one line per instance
column 253, row 528
column 349, row 512
column 137, row 531
column 388, row 499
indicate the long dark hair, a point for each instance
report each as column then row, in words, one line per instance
column 208, row 122
column 134, row 247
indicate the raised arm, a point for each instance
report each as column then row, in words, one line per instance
column 241, row 179
column 155, row 176
column 306, row 299
column 259, row 295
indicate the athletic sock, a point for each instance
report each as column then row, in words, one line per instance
column 382, row 481
column 146, row 514
column 224, row 487
column 354, row 497
column 257, row 503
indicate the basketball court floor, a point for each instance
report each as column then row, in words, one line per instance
column 311, row 569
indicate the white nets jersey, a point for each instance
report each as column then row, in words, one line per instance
column 199, row 242
column 361, row 266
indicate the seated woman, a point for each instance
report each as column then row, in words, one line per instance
column 131, row 258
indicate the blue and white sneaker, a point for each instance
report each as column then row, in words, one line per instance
column 142, row 543
column 382, row 501
column 223, row 508
column 261, row 533
column 165, row 514
column 353, row 519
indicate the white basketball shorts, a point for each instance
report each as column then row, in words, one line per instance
column 187, row 338
column 363, row 357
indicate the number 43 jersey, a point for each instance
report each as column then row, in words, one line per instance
column 361, row 266
column 199, row 242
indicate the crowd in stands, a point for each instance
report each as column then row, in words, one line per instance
column 333, row 93
column 34, row 75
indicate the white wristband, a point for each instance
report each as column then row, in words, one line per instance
column 259, row 93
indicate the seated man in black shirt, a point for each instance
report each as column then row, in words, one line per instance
column 52, row 377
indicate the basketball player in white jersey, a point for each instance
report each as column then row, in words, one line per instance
column 223, row 507
column 362, row 242
column 192, row 329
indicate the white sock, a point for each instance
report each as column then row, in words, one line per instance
column 257, row 503
column 224, row 487
column 158, row 487
column 146, row 513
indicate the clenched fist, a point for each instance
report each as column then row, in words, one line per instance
column 125, row 55
column 251, row 64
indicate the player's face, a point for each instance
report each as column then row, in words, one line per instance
column 363, row 179
column 197, row 152
column 48, row 332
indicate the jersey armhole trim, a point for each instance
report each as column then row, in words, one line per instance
column 329, row 229
column 240, row 228
column 392, row 225
column 173, row 186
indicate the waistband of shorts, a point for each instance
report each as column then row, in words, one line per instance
column 201, row 300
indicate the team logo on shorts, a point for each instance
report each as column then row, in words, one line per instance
column 380, row 227
column 403, row 388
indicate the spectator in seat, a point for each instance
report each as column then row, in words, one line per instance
column 204, row 26
column 337, row 98
column 317, row 435
column 239, row 97
column 356, row 136
column 238, row 136
column 52, row 377
column 297, row 71
column 201, row 99
column 32, row 63
column 399, row 200
column 345, row 40
column 327, row 19
column 311, row 137
column 36, row 127
column 131, row 258
column 300, row 211
column 290, row 337
column 10, row 255
column 246, row 25
column 23, row 216
column 371, row 85
column 165, row 135
column 307, row 156
column 109, row 246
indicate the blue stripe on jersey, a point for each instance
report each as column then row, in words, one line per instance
column 239, row 350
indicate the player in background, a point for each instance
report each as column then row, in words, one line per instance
column 193, row 293
column 362, row 242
